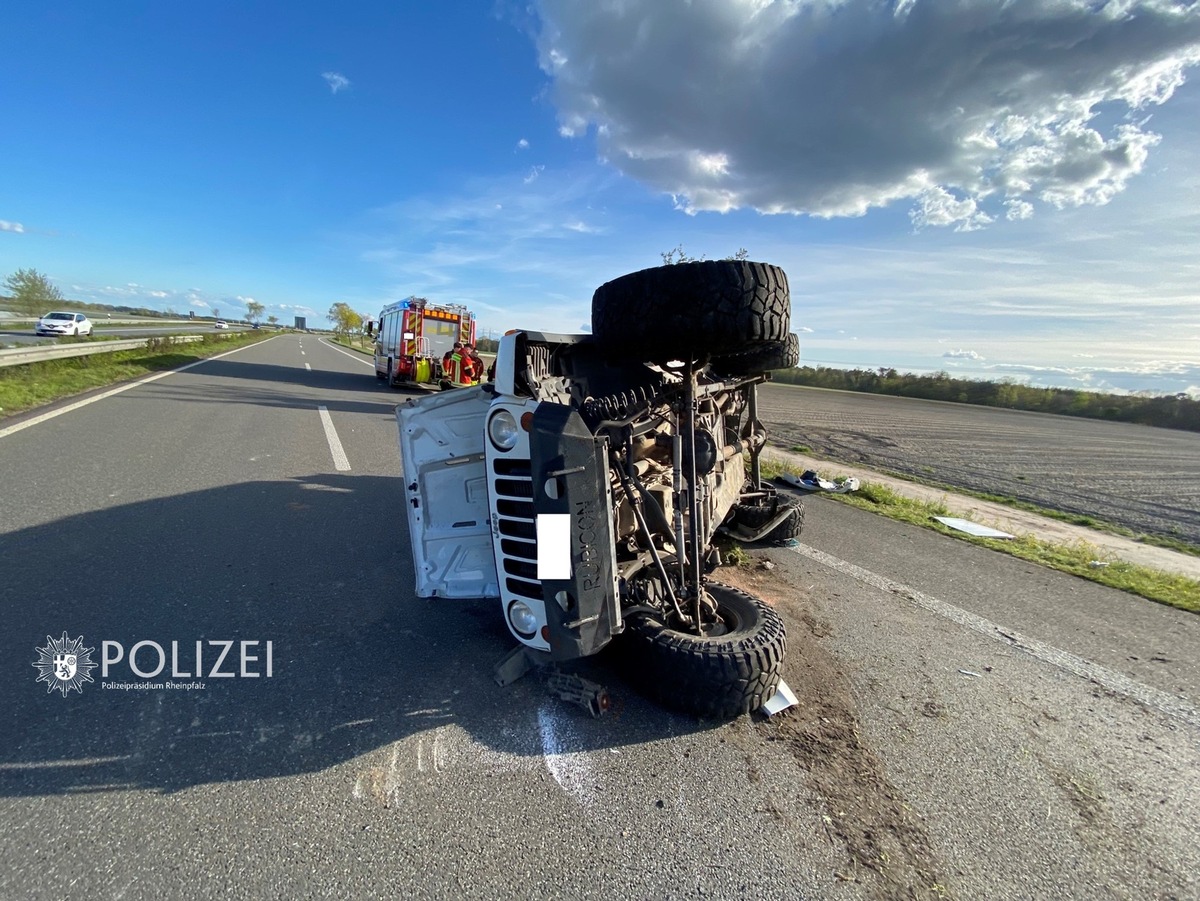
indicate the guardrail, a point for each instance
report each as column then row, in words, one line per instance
column 15, row 356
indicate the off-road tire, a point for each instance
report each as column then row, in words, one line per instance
column 714, row 677
column 754, row 516
column 692, row 310
column 777, row 355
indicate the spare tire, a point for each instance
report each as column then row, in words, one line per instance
column 691, row 310
column 776, row 355
column 716, row 676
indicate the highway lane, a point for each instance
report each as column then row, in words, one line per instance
column 379, row 758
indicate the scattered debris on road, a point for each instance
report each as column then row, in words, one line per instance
column 810, row 481
column 972, row 528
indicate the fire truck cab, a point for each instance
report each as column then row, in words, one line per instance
column 412, row 337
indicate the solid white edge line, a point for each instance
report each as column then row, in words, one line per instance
column 1112, row 680
column 13, row 429
column 347, row 353
column 340, row 463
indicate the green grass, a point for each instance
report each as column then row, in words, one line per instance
column 33, row 384
column 1078, row 559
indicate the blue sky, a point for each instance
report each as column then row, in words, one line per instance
column 997, row 190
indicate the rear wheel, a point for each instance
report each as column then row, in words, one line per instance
column 732, row 670
column 753, row 516
column 692, row 310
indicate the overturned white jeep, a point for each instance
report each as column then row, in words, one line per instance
column 585, row 484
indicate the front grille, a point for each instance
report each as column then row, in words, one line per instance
column 512, row 487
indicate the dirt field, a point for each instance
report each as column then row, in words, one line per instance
column 1143, row 478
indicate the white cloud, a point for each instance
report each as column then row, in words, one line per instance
column 534, row 172
column 6, row 226
column 972, row 109
column 522, row 144
column 336, row 81
column 961, row 355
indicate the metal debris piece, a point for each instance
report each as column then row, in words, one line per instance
column 972, row 528
column 592, row 697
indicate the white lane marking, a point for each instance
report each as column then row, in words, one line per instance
column 303, row 354
column 347, row 353
column 1072, row 663
column 12, row 429
column 309, row 368
column 335, row 444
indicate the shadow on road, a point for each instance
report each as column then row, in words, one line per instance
column 321, row 568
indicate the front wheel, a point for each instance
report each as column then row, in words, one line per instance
column 733, row 669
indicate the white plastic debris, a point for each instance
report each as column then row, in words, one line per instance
column 810, row 481
column 783, row 698
column 972, row 528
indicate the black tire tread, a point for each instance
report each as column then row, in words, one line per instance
column 717, row 677
column 755, row 516
column 765, row 358
column 692, row 310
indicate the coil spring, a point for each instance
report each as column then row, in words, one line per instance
column 620, row 405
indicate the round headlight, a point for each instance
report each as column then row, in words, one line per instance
column 523, row 621
column 502, row 429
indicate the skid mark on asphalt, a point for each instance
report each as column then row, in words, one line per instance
column 1072, row 663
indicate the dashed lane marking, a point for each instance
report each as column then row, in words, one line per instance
column 335, row 444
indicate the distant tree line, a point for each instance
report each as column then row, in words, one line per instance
column 1176, row 411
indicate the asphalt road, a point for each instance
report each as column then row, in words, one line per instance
column 970, row 726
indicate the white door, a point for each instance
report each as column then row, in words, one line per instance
column 445, row 493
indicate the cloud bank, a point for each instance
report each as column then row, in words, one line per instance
column 970, row 110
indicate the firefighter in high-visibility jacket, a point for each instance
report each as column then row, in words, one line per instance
column 458, row 367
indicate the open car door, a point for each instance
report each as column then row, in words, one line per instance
column 445, row 492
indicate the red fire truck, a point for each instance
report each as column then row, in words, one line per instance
column 413, row 335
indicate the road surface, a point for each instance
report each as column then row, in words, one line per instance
column 970, row 725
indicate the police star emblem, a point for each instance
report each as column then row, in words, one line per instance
column 64, row 663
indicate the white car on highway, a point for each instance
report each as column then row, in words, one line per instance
column 220, row 323
column 60, row 323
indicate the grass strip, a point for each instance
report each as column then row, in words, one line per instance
column 352, row 344
column 34, row 384
column 1078, row 559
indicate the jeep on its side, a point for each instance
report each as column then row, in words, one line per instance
column 583, row 487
